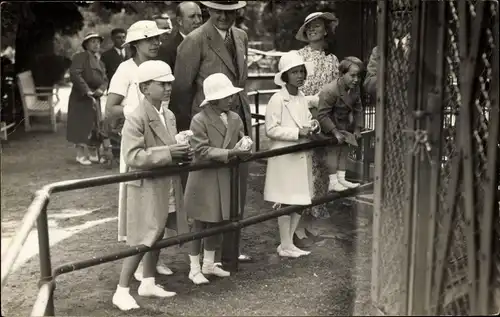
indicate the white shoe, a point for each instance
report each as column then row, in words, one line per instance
column 287, row 253
column 83, row 160
column 344, row 182
column 299, row 251
column 160, row 269
column 335, row 185
column 163, row 269
column 138, row 273
column 212, row 269
column 348, row 184
column 197, row 277
column 153, row 290
column 96, row 159
column 123, row 300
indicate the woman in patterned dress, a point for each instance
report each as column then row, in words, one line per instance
column 315, row 30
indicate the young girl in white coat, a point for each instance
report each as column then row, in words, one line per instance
column 288, row 122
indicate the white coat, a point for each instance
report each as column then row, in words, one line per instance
column 288, row 177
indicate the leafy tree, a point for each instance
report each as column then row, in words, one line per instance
column 284, row 18
column 31, row 28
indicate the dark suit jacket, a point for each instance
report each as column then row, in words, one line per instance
column 168, row 49
column 199, row 55
column 111, row 60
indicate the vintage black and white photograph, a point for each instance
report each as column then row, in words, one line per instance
column 250, row 158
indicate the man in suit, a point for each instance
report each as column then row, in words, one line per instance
column 188, row 17
column 115, row 55
column 215, row 47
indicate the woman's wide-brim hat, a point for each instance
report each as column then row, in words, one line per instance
column 141, row 30
column 289, row 61
column 218, row 86
column 301, row 35
column 225, row 5
column 89, row 36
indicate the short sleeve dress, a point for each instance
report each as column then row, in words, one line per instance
column 326, row 69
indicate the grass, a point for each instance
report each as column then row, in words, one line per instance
column 333, row 280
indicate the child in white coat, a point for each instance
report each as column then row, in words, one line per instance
column 289, row 122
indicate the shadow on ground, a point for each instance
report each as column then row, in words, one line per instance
column 333, row 280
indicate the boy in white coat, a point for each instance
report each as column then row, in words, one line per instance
column 148, row 141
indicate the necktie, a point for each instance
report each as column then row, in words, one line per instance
column 228, row 41
column 223, row 117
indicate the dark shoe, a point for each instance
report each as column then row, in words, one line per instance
column 302, row 243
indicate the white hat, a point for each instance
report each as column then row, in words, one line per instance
column 225, row 5
column 301, row 36
column 154, row 70
column 288, row 61
column 89, row 36
column 218, row 86
column 142, row 30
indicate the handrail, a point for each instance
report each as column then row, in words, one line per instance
column 262, row 91
column 42, row 196
column 11, row 253
column 188, row 237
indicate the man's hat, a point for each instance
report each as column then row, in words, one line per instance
column 225, row 5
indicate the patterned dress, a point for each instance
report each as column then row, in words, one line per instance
column 326, row 69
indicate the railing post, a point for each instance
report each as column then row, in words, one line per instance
column 231, row 240
column 257, row 127
column 44, row 250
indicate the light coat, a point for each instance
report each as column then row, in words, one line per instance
column 201, row 54
column 145, row 145
column 207, row 196
column 288, row 177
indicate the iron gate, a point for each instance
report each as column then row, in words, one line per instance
column 436, row 247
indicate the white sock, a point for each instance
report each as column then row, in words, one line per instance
column 194, row 261
column 294, row 222
column 284, row 228
column 148, row 281
column 208, row 257
column 122, row 290
column 341, row 175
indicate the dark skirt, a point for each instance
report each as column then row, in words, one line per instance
column 83, row 119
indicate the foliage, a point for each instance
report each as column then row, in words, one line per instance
column 284, row 18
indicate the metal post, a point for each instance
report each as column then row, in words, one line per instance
column 257, row 127
column 382, row 44
column 231, row 240
column 44, row 249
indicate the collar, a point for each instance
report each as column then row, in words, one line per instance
column 221, row 32
column 182, row 34
column 149, row 104
column 286, row 95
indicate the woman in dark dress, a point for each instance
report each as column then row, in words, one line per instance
column 88, row 76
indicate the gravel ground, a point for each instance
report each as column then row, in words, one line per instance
column 333, row 280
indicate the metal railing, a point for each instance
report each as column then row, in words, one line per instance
column 37, row 212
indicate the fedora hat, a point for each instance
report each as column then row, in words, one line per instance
column 288, row 61
column 218, row 86
column 224, row 5
column 142, row 30
column 91, row 35
column 301, row 36
column 154, row 70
